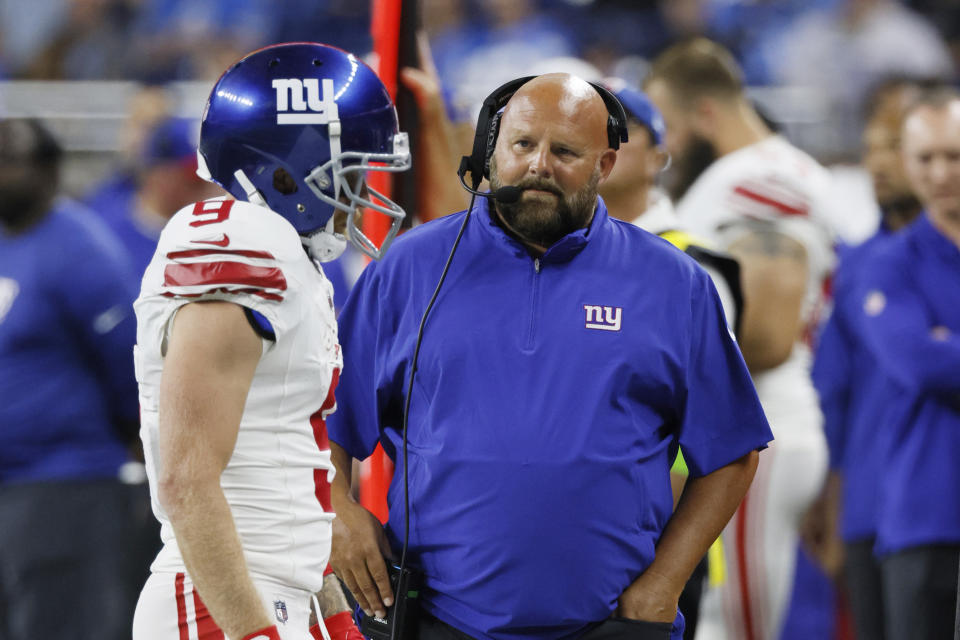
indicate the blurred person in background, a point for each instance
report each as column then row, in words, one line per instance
column 452, row 36
column 92, row 41
column 68, row 404
column 906, row 310
column 753, row 194
column 844, row 49
column 189, row 40
column 632, row 194
column 442, row 141
column 855, row 392
column 166, row 181
column 340, row 23
column 148, row 105
column 515, row 35
column 66, row 39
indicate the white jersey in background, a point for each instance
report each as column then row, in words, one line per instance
column 774, row 185
column 277, row 479
column 660, row 218
column 769, row 182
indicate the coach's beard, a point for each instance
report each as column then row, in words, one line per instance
column 542, row 222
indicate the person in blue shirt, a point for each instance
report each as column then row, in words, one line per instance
column 854, row 391
column 567, row 357
column 909, row 317
column 165, row 182
column 68, row 404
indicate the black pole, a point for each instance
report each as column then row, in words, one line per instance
column 405, row 184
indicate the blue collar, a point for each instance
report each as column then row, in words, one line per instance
column 563, row 250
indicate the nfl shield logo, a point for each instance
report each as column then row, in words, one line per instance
column 280, row 609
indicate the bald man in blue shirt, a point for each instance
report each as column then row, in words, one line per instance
column 567, row 357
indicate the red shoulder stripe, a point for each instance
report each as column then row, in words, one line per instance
column 779, row 205
column 226, row 273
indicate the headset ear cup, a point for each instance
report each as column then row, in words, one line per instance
column 617, row 119
column 474, row 163
column 613, row 132
column 492, row 132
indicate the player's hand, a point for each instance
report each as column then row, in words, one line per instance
column 819, row 536
column 357, row 557
column 424, row 81
column 650, row 598
column 819, row 528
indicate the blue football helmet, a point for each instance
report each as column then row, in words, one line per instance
column 295, row 127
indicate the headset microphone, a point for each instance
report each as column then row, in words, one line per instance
column 506, row 195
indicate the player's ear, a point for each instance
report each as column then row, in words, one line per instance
column 704, row 115
column 656, row 161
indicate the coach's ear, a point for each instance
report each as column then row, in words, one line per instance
column 606, row 162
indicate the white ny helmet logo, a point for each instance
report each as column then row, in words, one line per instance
column 303, row 102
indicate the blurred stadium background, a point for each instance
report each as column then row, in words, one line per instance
column 82, row 65
column 100, row 73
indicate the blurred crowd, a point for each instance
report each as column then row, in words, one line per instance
column 837, row 48
column 842, row 54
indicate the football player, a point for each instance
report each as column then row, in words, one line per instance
column 754, row 195
column 237, row 354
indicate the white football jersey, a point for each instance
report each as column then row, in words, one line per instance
column 769, row 182
column 277, row 479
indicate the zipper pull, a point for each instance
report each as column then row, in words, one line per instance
column 536, row 265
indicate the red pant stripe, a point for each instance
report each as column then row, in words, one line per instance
column 181, row 609
column 207, row 629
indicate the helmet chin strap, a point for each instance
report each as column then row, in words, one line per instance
column 326, row 244
column 253, row 194
column 323, row 245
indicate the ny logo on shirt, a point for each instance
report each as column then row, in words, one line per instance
column 303, row 102
column 604, row 318
column 8, row 291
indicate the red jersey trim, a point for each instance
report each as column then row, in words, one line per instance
column 223, row 273
column 779, row 205
column 199, row 253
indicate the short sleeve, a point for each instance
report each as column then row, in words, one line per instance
column 370, row 386
column 232, row 251
column 722, row 418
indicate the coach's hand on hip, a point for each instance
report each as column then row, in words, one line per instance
column 650, row 597
column 359, row 542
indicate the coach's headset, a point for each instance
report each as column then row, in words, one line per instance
column 488, row 128
column 478, row 164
